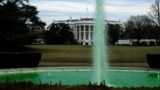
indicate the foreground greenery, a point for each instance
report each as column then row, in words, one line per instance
column 31, row 86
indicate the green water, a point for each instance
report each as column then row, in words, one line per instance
column 120, row 78
column 99, row 45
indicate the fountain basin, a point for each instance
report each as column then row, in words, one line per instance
column 75, row 76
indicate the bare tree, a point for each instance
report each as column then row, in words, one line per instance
column 136, row 27
column 155, row 17
column 155, row 12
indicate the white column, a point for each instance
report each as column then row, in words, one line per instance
column 79, row 34
column 75, row 30
column 89, row 36
column 92, row 32
column 84, row 35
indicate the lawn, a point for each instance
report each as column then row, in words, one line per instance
column 83, row 54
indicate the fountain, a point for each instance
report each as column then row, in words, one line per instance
column 81, row 75
column 99, row 45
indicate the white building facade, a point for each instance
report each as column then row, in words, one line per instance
column 83, row 29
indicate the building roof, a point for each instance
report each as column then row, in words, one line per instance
column 86, row 20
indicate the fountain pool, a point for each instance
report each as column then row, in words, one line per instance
column 69, row 76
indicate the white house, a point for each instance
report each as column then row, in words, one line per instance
column 83, row 28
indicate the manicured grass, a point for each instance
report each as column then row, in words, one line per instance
column 135, row 54
column 83, row 54
column 64, row 53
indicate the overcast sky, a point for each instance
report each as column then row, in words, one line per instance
column 50, row 10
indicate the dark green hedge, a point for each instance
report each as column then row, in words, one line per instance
column 19, row 60
column 153, row 60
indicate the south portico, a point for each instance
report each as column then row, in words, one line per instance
column 84, row 32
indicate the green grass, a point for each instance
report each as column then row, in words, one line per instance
column 83, row 54
column 135, row 54
column 64, row 53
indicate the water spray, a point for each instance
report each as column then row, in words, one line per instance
column 99, row 45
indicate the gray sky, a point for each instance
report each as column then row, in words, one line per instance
column 50, row 10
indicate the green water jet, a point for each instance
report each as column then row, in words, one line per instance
column 99, row 45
